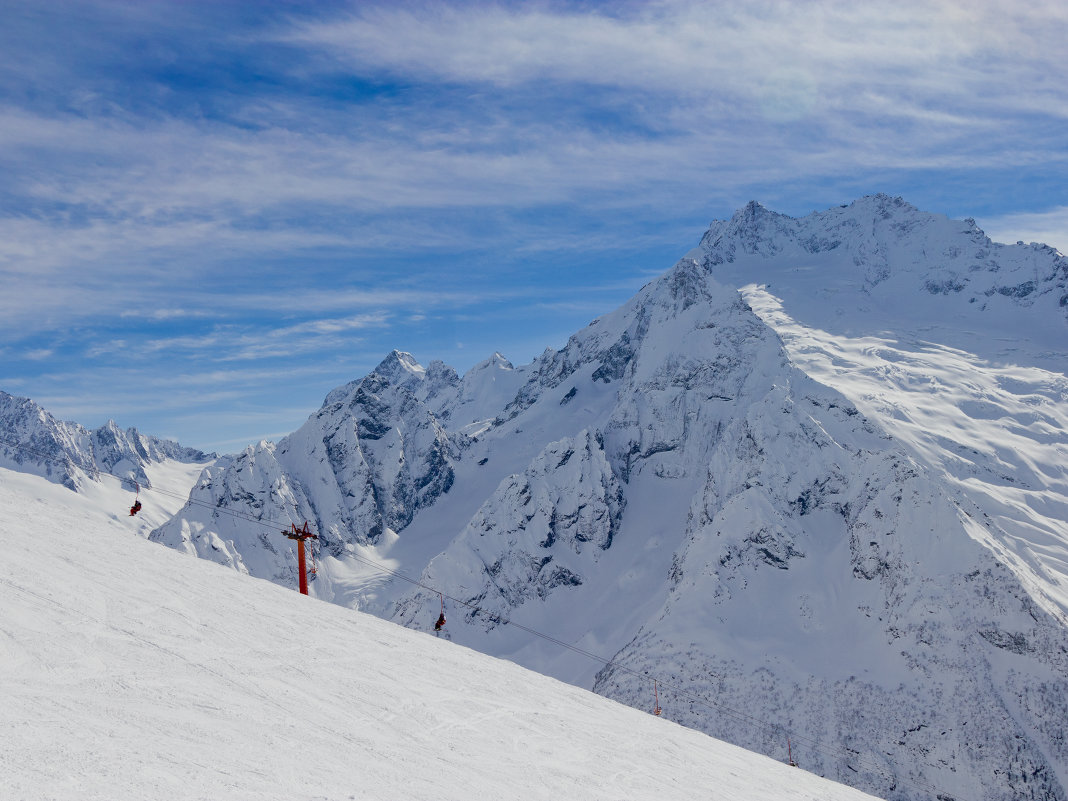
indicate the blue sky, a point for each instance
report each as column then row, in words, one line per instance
column 212, row 213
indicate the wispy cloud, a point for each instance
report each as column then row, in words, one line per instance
column 768, row 52
column 256, row 341
column 164, row 314
column 1048, row 227
column 698, row 94
column 256, row 186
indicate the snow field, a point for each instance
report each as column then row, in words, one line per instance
column 998, row 433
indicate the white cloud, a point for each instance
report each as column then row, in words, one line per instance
column 918, row 51
column 236, row 342
column 164, row 314
column 635, row 118
column 333, row 325
column 1048, row 227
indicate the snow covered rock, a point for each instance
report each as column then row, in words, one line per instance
column 218, row 522
column 844, row 595
column 540, row 531
column 884, row 239
column 375, row 453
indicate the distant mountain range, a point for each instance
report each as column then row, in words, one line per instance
column 32, row 440
column 814, row 474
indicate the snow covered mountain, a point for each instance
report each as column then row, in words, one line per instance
column 814, row 475
column 33, row 441
column 131, row 673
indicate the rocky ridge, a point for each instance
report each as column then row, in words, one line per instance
column 32, row 440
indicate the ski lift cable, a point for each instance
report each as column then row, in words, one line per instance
column 850, row 758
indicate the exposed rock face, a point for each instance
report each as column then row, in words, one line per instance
column 384, row 450
column 540, row 530
column 845, row 592
column 366, row 462
column 673, row 487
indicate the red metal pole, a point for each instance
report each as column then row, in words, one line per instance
column 301, row 567
column 301, row 534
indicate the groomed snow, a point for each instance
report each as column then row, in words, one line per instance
column 131, row 671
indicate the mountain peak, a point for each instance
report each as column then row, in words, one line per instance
column 754, row 209
column 884, row 240
column 752, row 230
column 397, row 361
column 884, row 206
column 755, row 216
column 497, row 360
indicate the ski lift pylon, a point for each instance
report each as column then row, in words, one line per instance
column 300, row 535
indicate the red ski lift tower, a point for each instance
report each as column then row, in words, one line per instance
column 301, row 534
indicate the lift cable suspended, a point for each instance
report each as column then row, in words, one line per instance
column 851, row 758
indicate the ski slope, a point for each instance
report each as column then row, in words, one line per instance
column 131, row 671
